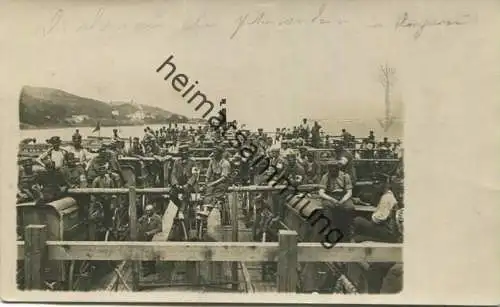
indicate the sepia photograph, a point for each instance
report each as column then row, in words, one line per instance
column 197, row 147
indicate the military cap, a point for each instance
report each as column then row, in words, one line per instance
column 54, row 140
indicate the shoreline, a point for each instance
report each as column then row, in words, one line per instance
column 31, row 127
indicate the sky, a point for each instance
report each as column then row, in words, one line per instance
column 314, row 59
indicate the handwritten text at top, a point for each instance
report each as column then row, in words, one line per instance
column 100, row 21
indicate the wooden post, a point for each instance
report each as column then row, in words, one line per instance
column 35, row 254
column 287, row 261
column 234, row 237
column 132, row 209
column 166, row 173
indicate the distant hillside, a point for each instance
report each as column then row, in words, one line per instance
column 41, row 107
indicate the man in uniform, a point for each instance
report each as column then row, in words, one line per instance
column 149, row 225
column 295, row 172
column 384, row 149
column 293, row 175
column 312, row 168
column 81, row 154
column 371, row 137
column 304, row 129
column 302, row 158
column 77, row 134
column 184, row 178
column 116, row 137
column 218, row 173
column 109, row 160
column 337, row 197
column 346, row 137
column 74, row 173
column 315, row 135
column 136, row 149
column 285, row 149
column 101, row 206
column 260, row 133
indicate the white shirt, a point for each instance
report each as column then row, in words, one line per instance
column 384, row 208
column 57, row 156
column 81, row 154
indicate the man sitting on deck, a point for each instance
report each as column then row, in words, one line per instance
column 149, row 225
column 345, row 159
column 381, row 227
column 337, row 197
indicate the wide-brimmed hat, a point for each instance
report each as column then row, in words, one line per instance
column 54, row 140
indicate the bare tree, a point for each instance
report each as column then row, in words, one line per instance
column 387, row 78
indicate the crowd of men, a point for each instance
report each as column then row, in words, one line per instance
column 48, row 177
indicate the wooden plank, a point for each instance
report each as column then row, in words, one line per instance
column 136, row 266
column 361, row 208
column 252, row 188
column 168, row 218
column 162, row 251
column 166, row 174
column 287, row 261
column 34, row 256
column 233, row 201
column 247, row 279
column 351, row 252
column 216, row 251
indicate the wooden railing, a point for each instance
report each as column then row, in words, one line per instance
column 37, row 248
column 287, row 253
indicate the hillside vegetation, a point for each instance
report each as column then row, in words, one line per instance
column 41, row 107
